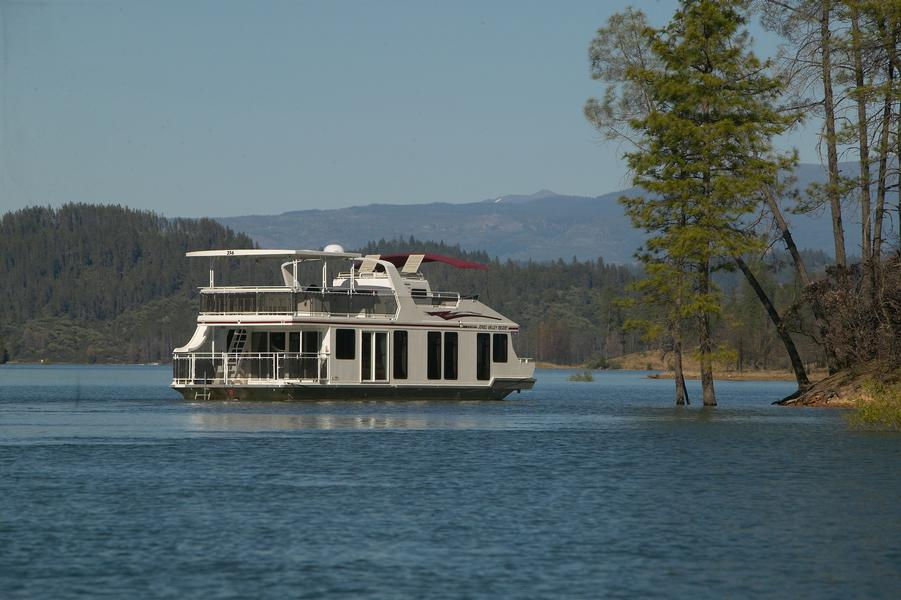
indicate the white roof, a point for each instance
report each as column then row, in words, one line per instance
column 274, row 253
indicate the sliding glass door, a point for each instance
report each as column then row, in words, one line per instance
column 374, row 359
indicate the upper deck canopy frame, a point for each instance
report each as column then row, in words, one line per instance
column 295, row 257
column 261, row 253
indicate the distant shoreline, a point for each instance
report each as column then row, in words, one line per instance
column 768, row 375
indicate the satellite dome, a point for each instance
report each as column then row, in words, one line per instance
column 334, row 248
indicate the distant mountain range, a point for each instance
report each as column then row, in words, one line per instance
column 540, row 226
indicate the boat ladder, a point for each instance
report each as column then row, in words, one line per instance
column 236, row 347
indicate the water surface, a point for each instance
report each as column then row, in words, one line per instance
column 111, row 485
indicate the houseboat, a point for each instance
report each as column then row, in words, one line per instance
column 359, row 327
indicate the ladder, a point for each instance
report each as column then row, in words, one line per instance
column 235, row 348
column 239, row 340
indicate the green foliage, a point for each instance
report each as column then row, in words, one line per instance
column 597, row 361
column 583, row 376
column 86, row 283
column 699, row 110
column 879, row 408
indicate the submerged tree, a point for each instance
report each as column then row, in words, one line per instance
column 701, row 114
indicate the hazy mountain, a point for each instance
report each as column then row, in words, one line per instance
column 541, row 226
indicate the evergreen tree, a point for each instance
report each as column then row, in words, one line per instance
column 705, row 153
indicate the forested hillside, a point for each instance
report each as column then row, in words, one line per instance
column 86, row 283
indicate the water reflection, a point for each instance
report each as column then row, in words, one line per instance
column 293, row 422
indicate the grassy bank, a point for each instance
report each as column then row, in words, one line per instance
column 878, row 407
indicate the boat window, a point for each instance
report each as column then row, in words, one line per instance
column 345, row 344
column 259, row 341
column 483, row 356
column 294, row 341
column 450, row 355
column 277, row 341
column 418, row 292
column 434, row 355
column 400, row 354
column 500, row 347
column 311, row 341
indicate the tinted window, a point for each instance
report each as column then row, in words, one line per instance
column 259, row 341
column 277, row 341
column 434, row 355
column 345, row 344
column 483, row 356
column 400, row 354
column 500, row 347
column 450, row 355
column 311, row 341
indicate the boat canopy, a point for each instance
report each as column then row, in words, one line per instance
column 399, row 260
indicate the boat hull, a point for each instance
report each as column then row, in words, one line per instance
column 499, row 390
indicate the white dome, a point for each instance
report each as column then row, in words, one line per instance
column 333, row 248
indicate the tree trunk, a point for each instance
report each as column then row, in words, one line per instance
column 679, row 376
column 706, row 342
column 831, row 151
column 803, row 276
column 882, row 182
column 862, row 135
column 797, row 363
column 787, row 238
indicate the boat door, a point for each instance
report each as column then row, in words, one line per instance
column 374, row 356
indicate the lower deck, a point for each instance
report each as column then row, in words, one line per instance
column 317, row 361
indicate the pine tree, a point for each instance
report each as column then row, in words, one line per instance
column 705, row 154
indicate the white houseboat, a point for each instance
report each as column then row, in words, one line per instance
column 376, row 330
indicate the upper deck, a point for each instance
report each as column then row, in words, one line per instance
column 371, row 288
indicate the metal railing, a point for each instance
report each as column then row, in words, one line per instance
column 223, row 368
column 436, row 298
column 364, row 303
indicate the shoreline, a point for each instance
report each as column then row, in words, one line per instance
column 741, row 376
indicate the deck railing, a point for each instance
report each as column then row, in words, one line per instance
column 223, row 368
column 364, row 303
column 451, row 299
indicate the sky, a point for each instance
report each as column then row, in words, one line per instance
column 216, row 108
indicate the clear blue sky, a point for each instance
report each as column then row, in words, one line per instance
column 228, row 108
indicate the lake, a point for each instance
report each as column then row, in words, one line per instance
column 112, row 486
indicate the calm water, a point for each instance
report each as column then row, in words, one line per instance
column 112, row 486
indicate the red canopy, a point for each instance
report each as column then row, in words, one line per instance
column 398, row 260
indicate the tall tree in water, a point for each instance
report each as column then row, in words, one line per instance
column 626, row 42
column 705, row 153
column 623, row 45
